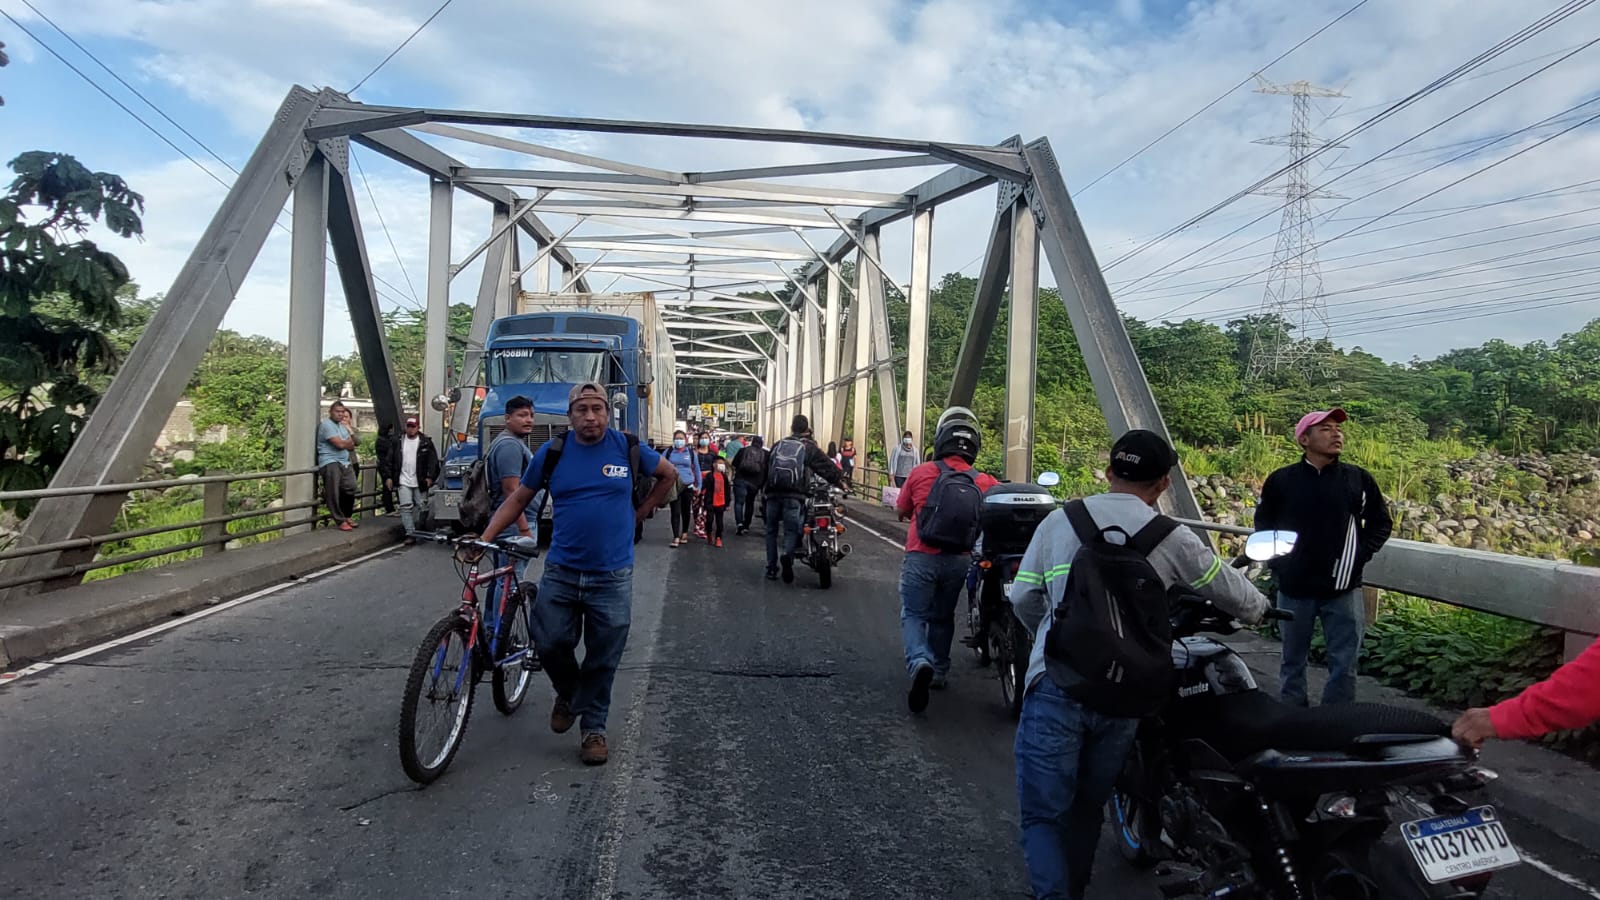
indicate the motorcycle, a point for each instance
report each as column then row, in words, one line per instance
column 1010, row 515
column 1234, row 794
column 822, row 522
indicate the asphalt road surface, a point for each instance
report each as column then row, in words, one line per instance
column 760, row 748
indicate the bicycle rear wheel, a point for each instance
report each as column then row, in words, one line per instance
column 438, row 701
column 511, row 680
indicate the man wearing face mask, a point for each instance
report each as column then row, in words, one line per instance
column 902, row 460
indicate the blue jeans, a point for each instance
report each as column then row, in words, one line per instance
column 491, row 611
column 782, row 513
column 597, row 606
column 1344, row 622
column 930, row 588
column 744, row 501
column 1068, row 759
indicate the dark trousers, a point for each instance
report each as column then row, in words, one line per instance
column 744, row 501
column 683, row 513
column 338, row 490
column 782, row 513
column 714, row 521
column 387, row 497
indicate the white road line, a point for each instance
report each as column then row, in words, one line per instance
column 12, row 677
column 875, row 533
column 1557, row 874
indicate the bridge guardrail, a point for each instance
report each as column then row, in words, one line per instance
column 214, row 533
column 1550, row 593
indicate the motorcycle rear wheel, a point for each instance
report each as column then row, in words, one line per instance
column 1128, row 816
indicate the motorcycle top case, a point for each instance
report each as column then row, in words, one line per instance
column 1010, row 514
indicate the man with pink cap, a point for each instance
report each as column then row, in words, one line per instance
column 1343, row 520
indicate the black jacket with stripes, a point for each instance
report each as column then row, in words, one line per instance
column 1342, row 520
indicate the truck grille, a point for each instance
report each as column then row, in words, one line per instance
column 541, row 432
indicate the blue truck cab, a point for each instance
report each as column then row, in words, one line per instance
column 541, row 355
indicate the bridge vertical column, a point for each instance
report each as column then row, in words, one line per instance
column 882, row 346
column 437, row 319
column 917, row 332
column 811, row 348
column 308, row 281
column 769, row 410
column 793, row 370
column 483, row 313
column 830, row 355
column 1022, row 344
column 566, row 274
column 861, row 324
column 541, row 271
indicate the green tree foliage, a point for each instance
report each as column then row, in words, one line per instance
column 59, row 306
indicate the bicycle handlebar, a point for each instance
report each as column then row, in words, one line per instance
column 518, row 546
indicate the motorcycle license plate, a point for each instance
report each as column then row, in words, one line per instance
column 1451, row 847
column 1005, row 588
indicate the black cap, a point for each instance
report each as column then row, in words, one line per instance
column 1141, row 455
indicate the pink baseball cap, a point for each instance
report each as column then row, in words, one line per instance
column 1311, row 419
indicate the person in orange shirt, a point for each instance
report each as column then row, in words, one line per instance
column 716, row 493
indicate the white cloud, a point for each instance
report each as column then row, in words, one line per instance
column 1100, row 84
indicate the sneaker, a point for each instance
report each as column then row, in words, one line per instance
column 409, row 540
column 772, row 574
column 719, row 542
column 346, row 526
column 788, row 569
column 921, row 679
column 940, row 682
column 561, row 717
column 593, row 751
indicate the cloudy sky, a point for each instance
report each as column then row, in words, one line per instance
column 1459, row 217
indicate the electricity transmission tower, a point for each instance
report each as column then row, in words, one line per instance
column 1294, row 282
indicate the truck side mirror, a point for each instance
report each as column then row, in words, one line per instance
column 619, row 400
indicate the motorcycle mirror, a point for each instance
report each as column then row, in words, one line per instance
column 1265, row 545
column 1048, row 479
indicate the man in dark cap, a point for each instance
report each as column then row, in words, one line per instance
column 1069, row 753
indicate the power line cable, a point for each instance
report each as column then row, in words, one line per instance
column 1220, row 97
column 374, row 197
column 402, row 46
column 1545, row 22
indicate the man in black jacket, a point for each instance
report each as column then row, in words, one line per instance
column 789, row 469
column 749, row 472
column 411, row 467
column 1343, row 521
column 386, row 441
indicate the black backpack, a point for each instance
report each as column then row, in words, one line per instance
column 1110, row 644
column 949, row 518
column 788, row 472
column 477, row 501
column 643, row 483
column 752, row 462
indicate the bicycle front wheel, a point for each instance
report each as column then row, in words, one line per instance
column 511, row 679
column 438, row 701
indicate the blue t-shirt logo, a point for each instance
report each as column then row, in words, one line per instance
column 614, row 471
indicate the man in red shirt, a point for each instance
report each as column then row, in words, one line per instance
column 1569, row 698
column 941, row 498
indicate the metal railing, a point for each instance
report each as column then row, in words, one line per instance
column 214, row 532
column 1550, row 593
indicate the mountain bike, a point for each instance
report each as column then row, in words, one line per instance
column 464, row 645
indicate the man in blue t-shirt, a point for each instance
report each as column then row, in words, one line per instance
column 587, row 586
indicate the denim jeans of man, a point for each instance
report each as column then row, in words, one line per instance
column 782, row 513
column 744, row 501
column 598, row 607
column 1068, row 759
column 410, row 497
column 930, row 588
column 519, row 569
column 1343, row 618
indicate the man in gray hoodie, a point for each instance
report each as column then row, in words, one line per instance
column 1068, row 756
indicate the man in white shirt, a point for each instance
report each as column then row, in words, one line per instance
column 415, row 461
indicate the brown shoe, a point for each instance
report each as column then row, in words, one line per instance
column 594, row 752
column 561, row 717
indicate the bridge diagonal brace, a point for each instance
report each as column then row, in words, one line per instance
column 361, row 297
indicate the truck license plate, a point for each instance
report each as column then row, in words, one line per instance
column 1451, row 847
column 452, row 500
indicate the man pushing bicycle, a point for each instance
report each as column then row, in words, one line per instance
column 587, row 585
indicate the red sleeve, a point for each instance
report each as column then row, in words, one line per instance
column 1569, row 698
column 914, row 482
column 986, row 481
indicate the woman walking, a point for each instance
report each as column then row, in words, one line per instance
column 687, row 462
column 715, row 494
column 847, row 459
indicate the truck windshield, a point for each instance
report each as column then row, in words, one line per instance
column 523, row 365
